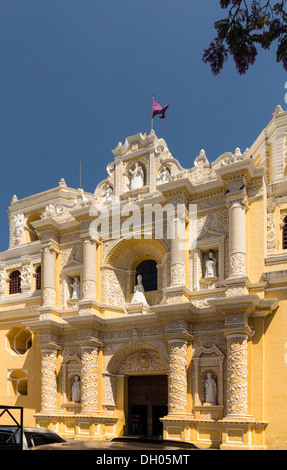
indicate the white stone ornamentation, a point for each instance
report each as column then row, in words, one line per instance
column 137, row 177
column 18, row 228
column 89, row 374
column 25, row 277
column 177, row 388
column 49, row 380
column 139, row 296
column 76, row 285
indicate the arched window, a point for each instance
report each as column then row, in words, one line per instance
column 284, row 234
column 148, row 270
column 15, row 283
column 38, row 278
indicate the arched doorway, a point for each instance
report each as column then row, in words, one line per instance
column 144, row 391
column 147, row 403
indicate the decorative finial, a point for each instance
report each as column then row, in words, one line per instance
column 278, row 110
column 62, row 183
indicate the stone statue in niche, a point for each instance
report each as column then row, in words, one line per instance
column 210, row 265
column 164, row 175
column 76, row 288
column 137, row 178
column 76, row 389
column 210, row 390
column 107, row 194
column 139, row 296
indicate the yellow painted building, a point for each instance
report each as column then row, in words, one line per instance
column 156, row 305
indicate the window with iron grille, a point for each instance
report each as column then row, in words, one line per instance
column 38, row 278
column 148, row 270
column 15, row 283
column 284, row 241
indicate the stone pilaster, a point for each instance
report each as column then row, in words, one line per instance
column 89, row 378
column 177, row 377
column 177, row 243
column 49, row 275
column 236, row 236
column 237, row 333
column 49, row 379
column 89, row 269
column 178, row 338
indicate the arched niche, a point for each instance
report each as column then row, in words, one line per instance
column 120, row 266
column 207, row 361
column 70, row 368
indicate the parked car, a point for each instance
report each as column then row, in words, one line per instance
column 10, row 437
column 121, row 444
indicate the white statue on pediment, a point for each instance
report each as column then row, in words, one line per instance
column 137, row 178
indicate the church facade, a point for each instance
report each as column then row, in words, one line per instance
column 156, row 305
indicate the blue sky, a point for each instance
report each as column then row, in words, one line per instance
column 77, row 77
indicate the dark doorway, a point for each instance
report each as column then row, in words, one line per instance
column 138, row 420
column 147, row 397
column 158, row 412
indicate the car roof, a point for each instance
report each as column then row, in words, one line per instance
column 28, row 429
column 129, row 444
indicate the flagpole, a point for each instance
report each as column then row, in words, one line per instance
column 152, row 113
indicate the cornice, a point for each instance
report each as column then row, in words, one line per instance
column 250, row 305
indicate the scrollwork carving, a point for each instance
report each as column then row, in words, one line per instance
column 49, row 380
column 177, row 388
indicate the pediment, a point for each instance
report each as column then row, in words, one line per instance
column 135, row 143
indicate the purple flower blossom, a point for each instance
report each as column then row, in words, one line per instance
column 216, row 55
column 244, row 27
column 284, row 61
column 266, row 42
column 224, row 3
column 276, row 27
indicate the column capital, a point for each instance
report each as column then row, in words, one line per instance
column 233, row 200
column 179, row 337
column 90, row 238
column 238, row 332
column 50, row 248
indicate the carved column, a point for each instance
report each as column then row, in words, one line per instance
column 237, row 366
column 89, row 268
column 49, row 276
column 48, row 379
column 177, row 377
column 89, row 379
column 177, row 245
column 236, row 237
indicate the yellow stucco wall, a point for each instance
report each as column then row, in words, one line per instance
column 30, row 362
column 275, row 377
